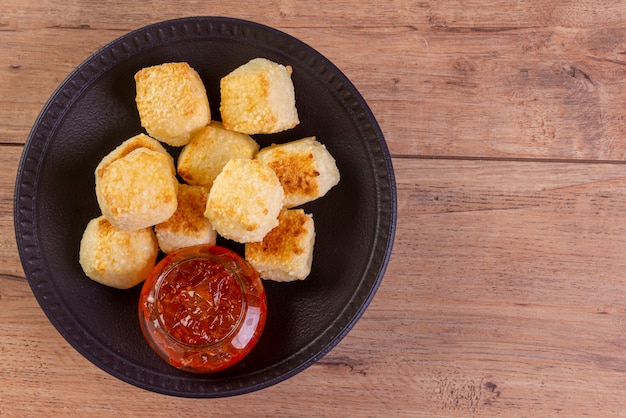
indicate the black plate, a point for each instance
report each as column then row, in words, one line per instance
column 93, row 111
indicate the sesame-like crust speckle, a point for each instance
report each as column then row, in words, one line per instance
column 117, row 258
column 187, row 226
column 245, row 201
column 258, row 98
column 286, row 252
column 172, row 102
column 304, row 167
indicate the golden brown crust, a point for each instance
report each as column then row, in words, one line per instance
column 245, row 201
column 171, row 101
column 284, row 241
column 187, row 226
column 209, row 150
column 191, row 206
column 258, row 98
column 304, row 167
column 286, row 252
column 137, row 190
column 296, row 172
column 131, row 144
column 117, row 258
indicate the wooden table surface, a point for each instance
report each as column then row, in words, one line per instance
column 506, row 290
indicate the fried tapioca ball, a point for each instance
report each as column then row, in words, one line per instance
column 304, row 167
column 187, row 226
column 116, row 258
column 131, row 144
column 258, row 98
column 209, row 150
column 245, row 201
column 286, row 252
column 137, row 190
column 172, row 102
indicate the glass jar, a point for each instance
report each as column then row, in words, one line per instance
column 203, row 308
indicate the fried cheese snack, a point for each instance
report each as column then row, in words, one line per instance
column 286, row 252
column 172, row 102
column 209, row 150
column 137, row 190
column 258, row 98
column 131, row 144
column 187, row 226
column 245, row 200
column 304, row 167
column 117, row 258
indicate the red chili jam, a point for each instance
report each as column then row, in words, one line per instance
column 203, row 308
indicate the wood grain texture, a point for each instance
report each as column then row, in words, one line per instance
column 505, row 294
column 444, row 78
column 506, row 286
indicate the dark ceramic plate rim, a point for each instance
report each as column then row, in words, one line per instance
column 29, row 172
